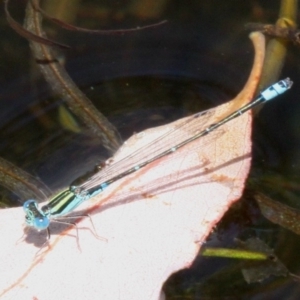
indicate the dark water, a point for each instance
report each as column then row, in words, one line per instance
column 200, row 58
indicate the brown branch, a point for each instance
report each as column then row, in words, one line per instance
column 289, row 34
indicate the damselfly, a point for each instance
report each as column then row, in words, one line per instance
column 67, row 200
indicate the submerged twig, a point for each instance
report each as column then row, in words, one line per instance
column 27, row 34
column 63, row 85
column 21, row 183
column 46, row 41
column 68, row 26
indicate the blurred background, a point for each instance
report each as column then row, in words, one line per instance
column 199, row 59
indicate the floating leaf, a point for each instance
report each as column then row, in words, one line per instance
column 155, row 219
